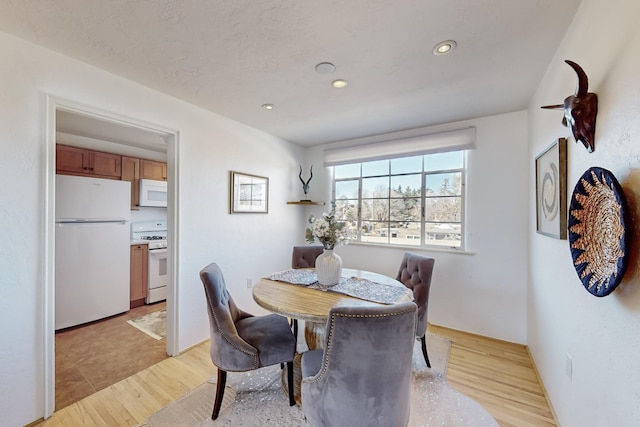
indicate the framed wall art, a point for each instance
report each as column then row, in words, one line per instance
column 551, row 190
column 248, row 193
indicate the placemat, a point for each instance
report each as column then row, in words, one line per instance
column 353, row 286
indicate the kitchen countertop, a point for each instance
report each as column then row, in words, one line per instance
column 139, row 242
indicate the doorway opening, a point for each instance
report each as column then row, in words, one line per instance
column 92, row 130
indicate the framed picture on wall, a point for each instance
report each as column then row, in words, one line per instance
column 551, row 190
column 248, row 193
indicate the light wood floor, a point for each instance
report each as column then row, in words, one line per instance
column 498, row 375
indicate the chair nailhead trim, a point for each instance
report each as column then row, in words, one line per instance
column 371, row 315
column 253, row 356
column 325, row 362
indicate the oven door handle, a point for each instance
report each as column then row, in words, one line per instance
column 157, row 251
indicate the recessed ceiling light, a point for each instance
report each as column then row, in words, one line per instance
column 325, row 68
column 268, row 106
column 339, row 84
column 444, row 47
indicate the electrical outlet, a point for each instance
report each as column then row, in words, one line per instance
column 249, row 282
column 568, row 365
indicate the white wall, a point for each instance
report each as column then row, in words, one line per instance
column 483, row 292
column 602, row 335
column 209, row 146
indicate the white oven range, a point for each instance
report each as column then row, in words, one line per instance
column 155, row 234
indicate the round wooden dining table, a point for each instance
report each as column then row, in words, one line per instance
column 313, row 305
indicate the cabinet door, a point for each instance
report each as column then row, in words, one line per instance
column 131, row 173
column 138, row 274
column 150, row 169
column 72, row 160
column 106, row 164
column 80, row 161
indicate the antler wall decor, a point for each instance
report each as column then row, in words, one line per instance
column 305, row 185
column 580, row 110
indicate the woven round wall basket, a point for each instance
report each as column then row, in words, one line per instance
column 597, row 233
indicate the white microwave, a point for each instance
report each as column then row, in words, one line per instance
column 153, row 193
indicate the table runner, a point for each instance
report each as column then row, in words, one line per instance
column 353, row 286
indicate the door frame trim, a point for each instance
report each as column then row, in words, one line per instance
column 172, row 138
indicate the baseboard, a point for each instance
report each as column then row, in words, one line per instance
column 35, row 423
column 475, row 334
column 544, row 390
column 192, row 346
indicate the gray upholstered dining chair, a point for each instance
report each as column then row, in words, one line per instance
column 240, row 341
column 303, row 257
column 363, row 375
column 415, row 273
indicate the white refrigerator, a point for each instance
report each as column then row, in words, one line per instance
column 92, row 249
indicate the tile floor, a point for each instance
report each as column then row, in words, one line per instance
column 95, row 356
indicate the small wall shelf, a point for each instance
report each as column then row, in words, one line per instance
column 305, row 202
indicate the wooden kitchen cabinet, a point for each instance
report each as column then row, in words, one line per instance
column 106, row 164
column 131, row 173
column 83, row 162
column 151, row 169
column 138, row 274
column 98, row 164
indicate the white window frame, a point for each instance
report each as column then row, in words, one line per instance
column 424, row 242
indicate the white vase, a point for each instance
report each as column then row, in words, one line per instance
column 328, row 268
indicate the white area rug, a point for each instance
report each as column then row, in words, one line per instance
column 256, row 399
column 153, row 324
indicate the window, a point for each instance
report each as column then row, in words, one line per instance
column 410, row 201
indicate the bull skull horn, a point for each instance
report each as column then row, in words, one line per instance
column 583, row 80
column 581, row 90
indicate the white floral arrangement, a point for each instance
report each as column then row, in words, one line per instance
column 327, row 230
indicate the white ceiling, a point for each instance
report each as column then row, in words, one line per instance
column 232, row 56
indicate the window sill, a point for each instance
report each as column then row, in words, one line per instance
column 415, row 248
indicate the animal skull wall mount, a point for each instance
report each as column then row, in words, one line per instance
column 305, row 185
column 580, row 110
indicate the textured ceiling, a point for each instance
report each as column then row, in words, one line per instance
column 232, row 56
